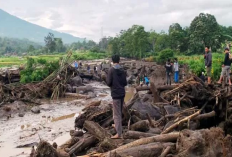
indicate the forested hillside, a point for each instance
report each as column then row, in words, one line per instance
column 13, row 27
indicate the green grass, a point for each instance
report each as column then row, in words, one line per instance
column 17, row 61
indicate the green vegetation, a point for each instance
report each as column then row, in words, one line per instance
column 196, row 64
column 78, row 55
column 37, row 70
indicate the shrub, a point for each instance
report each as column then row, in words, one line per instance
column 164, row 55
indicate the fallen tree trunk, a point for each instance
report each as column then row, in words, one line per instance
column 140, row 126
column 147, row 150
column 82, row 145
column 78, row 96
column 69, row 143
column 92, row 104
column 166, row 151
column 136, row 135
column 171, row 137
column 101, row 134
column 159, row 88
column 205, row 116
column 96, row 130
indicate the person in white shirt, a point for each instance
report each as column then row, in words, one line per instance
column 176, row 71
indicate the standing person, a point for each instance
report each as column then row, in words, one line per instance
column 80, row 65
column 208, row 63
column 176, row 70
column 168, row 67
column 76, row 65
column 88, row 68
column 226, row 66
column 116, row 80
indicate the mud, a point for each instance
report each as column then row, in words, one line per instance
column 53, row 123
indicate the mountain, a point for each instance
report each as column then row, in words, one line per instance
column 14, row 27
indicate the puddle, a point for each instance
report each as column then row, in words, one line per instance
column 130, row 92
column 63, row 117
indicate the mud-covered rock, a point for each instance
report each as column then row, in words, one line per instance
column 146, row 107
column 21, row 114
column 76, row 81
column 84, row 89
column 35, row 109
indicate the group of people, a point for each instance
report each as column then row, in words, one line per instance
column 225, row 65
column 170, row 67
column 95, row 68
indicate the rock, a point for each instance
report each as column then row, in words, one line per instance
column 146, row 107
column 69, row 88
column 21, row 114
column 91, row 95
column 130, row 79
column 76, row 81
column 171, row 109
column 85, row 89
column 35, row 109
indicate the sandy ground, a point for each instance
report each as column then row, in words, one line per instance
column 52, row 124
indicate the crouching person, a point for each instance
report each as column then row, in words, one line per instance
column 116, row 80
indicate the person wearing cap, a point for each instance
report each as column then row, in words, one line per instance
column 226, row 67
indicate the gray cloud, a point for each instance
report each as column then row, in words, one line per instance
column 85, row 18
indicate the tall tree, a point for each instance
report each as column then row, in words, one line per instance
column 204, row 30
column 59, row 44
column 50, row 42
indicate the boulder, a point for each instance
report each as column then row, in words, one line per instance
column 146, row 107
column 69, row 88
column 84, row 89
column 21, row 114
column 35, row 109
column 76, row 81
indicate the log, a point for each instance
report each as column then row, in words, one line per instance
column 205, row 116
column 173, row 126
column 101, row 134
column 150, row 120
column 155, row 93
column 96, row 130
column 136, row 135
column 92, row 104
column 140, row 126
column 166, row 151
column 159, row 88
column 76, row 133
column 171, row 137
column 69, row 143
column 82, row 145
column 184, row 120
column 78, row 96
column 148, row 150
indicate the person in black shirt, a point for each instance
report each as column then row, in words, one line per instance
column 168, row 67
column 226, row 67
column 116, row 80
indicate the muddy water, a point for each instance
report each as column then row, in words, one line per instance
column 52, row 124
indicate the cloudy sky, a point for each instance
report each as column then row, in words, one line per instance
column 85, row 18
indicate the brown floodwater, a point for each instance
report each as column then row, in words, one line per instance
column 130, row 92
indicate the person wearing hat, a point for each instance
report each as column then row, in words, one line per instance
column 226, row 66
